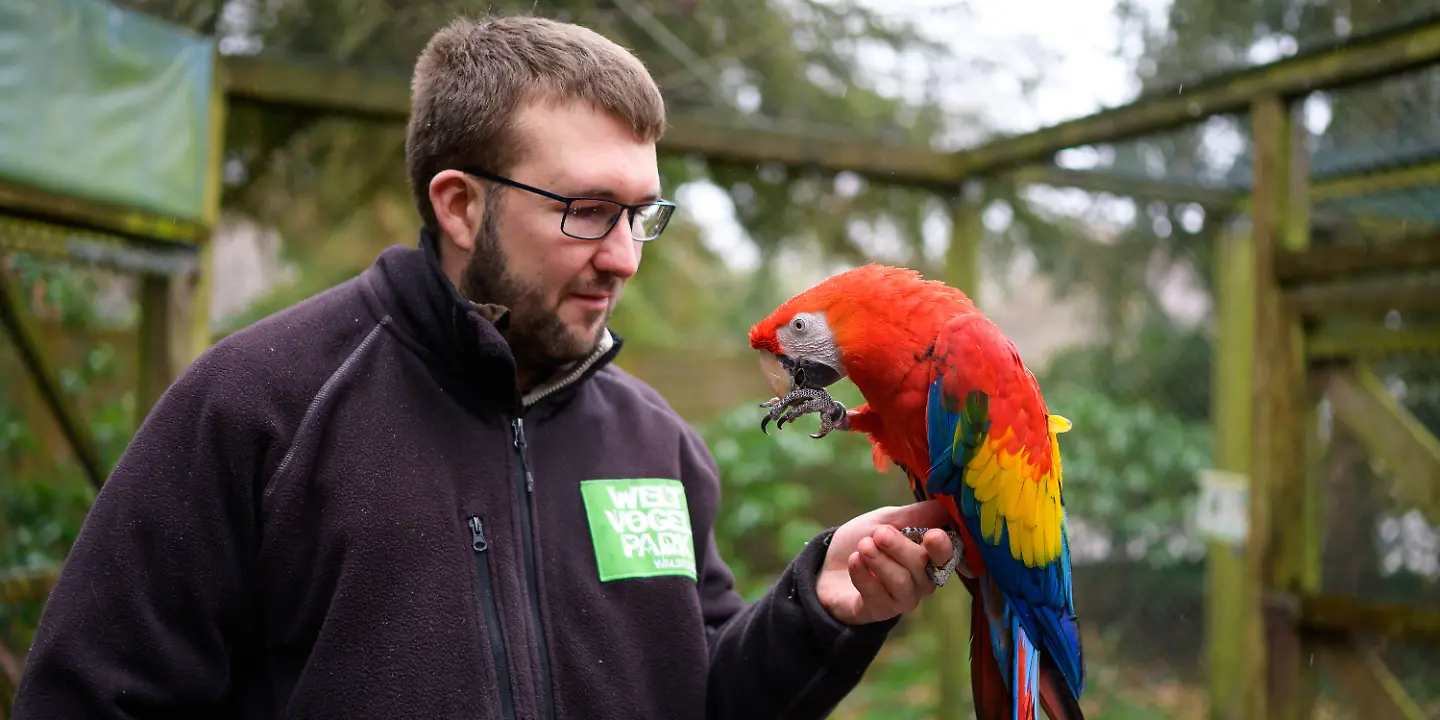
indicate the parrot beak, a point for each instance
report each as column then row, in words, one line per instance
column 814, row 374
column 786, row 374
column 777, row 372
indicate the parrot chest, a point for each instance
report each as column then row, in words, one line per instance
column 902, row 436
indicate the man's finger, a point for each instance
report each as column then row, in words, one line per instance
column 927, row 513
column 872, row 593
column 906, row 553
column 938, row 546
column 899, row 584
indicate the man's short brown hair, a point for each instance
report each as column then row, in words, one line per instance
column 473, row 77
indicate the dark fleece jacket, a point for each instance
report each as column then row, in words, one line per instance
column 347, row 510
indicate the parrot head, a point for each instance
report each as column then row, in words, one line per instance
column 817, row 337
column 798, row 350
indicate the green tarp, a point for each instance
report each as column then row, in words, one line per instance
column 106, row 104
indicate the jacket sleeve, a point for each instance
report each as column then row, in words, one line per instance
column 784, row 655
column 152, row 602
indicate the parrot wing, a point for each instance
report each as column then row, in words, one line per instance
column 993, row 451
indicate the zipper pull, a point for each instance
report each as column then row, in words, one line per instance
column 518, row 427
column 477, row 535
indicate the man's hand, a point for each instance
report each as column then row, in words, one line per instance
column 872, row 572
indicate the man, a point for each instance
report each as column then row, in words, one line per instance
column 428, row 493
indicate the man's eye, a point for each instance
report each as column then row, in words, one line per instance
column 588, row 210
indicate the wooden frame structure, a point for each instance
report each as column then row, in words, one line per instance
column 1273, row 360
column 169, row 255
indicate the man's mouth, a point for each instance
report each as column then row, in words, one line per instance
column 592, row 301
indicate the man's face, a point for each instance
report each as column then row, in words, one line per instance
column 561, row 290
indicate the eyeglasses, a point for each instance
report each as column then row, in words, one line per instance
column 594, row 218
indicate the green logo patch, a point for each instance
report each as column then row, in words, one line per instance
column 640, row 527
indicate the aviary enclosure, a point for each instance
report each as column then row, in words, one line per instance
column 1323, row 260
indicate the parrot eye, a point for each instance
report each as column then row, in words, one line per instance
column 799, row 324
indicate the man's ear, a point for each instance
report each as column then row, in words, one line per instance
column 459, row 205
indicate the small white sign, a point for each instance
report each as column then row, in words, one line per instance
column 1223, row 511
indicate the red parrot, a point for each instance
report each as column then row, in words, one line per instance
column 949, row 401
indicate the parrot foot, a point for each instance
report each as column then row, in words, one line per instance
column 956, row 563
column 803, row 401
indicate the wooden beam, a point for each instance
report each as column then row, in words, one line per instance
column 1351, row 185
column 29, row 202
column 1368, row 182
column 1391, row 433
column 27, row 586
column 1345, row 614
column 1365, row 678
column 322, row 86
column 769, row 143
column 385, row 96
column 44, row 238
column 1370, row 342
column 1369, row 297
column 1102, row 181
column 27, row 342
column 1391, row 52
column 1329, row 263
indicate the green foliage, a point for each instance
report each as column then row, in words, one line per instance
column 1163, row 366
column 1130, row 470
column 780, row 490
column 41, row 515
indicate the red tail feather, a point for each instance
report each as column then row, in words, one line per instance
column 1055, row 697
column 992, row 698
column 1025, row 694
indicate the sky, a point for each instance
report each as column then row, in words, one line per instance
column 1076, row 52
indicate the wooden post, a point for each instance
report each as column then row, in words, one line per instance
column 947, row 613
column 175, row 309
column 1280, row 560
column 1225, row 566
column 962, row 259
column 155, row 358
column 200, row 337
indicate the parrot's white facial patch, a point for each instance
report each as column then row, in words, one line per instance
column 808, row 337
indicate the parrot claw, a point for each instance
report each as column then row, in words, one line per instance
column 803, row 401
column 956, row 563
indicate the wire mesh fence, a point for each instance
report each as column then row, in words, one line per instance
column 81, row 318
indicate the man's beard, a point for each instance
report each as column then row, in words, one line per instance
column 539, row 339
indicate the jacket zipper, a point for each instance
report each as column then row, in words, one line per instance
column 524, row 493
column 479, row 544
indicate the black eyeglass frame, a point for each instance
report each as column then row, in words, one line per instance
column 624, row 209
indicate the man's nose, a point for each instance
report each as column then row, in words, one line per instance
column 619, row 253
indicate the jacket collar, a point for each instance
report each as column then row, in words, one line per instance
column 463, row 338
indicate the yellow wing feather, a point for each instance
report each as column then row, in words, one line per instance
column 1011, row 490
